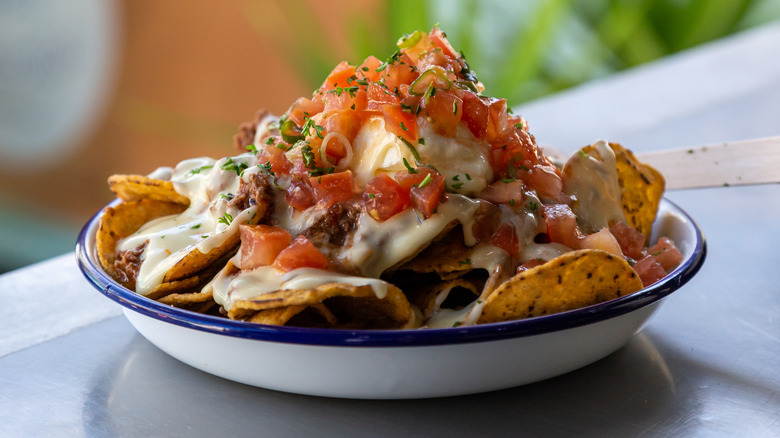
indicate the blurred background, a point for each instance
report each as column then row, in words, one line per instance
column 89, row 88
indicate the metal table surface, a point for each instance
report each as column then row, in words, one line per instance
column 707, row 363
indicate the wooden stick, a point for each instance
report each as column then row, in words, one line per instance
column 719, row 165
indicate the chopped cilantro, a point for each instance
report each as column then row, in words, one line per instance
column 266, row 167
column 232, row 166
column 225, row 219
column 409, row 168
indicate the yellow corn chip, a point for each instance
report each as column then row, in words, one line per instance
column 571, row 281
column 123, row 220
column 642, row 188
column 137, row 187
column 353, row 306
column 316, row 315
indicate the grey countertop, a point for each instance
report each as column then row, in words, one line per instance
column 706, row 364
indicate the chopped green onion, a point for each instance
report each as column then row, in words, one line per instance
column 410, row 168
column 415, row 154
column 408, row 41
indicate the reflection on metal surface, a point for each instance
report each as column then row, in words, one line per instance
column 146, row 391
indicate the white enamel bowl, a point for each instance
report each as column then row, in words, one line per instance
column 395, row 364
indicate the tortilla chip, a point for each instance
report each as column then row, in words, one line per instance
column 176, row 288
column 123, row 220
column 459, row 292
column 571, row 281
column 448, row 257
column 137, row 187
column 316, row 315
column 642, row 188
column 353, row 306
column 196, row 261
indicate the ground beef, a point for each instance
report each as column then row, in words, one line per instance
column 247, row 130
column 255, row 190
column 127, row 265
column 335, row 225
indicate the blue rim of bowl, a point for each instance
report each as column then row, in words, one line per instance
column 390, row 338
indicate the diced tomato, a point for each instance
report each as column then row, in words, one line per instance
column 438, row 39
column 332, row 188
column 603, row 240
column 437, row 57
column 340, row 76
column 368, row 68
column 649, row 270
column 379, row 96
column 408, row 180
column 400, row 122
column 303, row 107
column 444, row 113
column 384, row 197
column 545, row 180
column 497, row 128
column 260, row 244
column 343, row 121
column 401, row 72
column 500, row 192
column 356, row 100
column 300, row 195
column 562, row 225
column 666, row 253
column 276, row 157
column 516, row 150
column 475, row 114
column 506, row 239
column 301, row 253
column 425, row 199
column 631, row 241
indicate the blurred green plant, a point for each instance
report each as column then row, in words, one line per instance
column 521, row 50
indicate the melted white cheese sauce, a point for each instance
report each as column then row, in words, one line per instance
column 593, row 182
column 378, row 246
column 376, row 150
column 205, row 224
column 244, row 285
